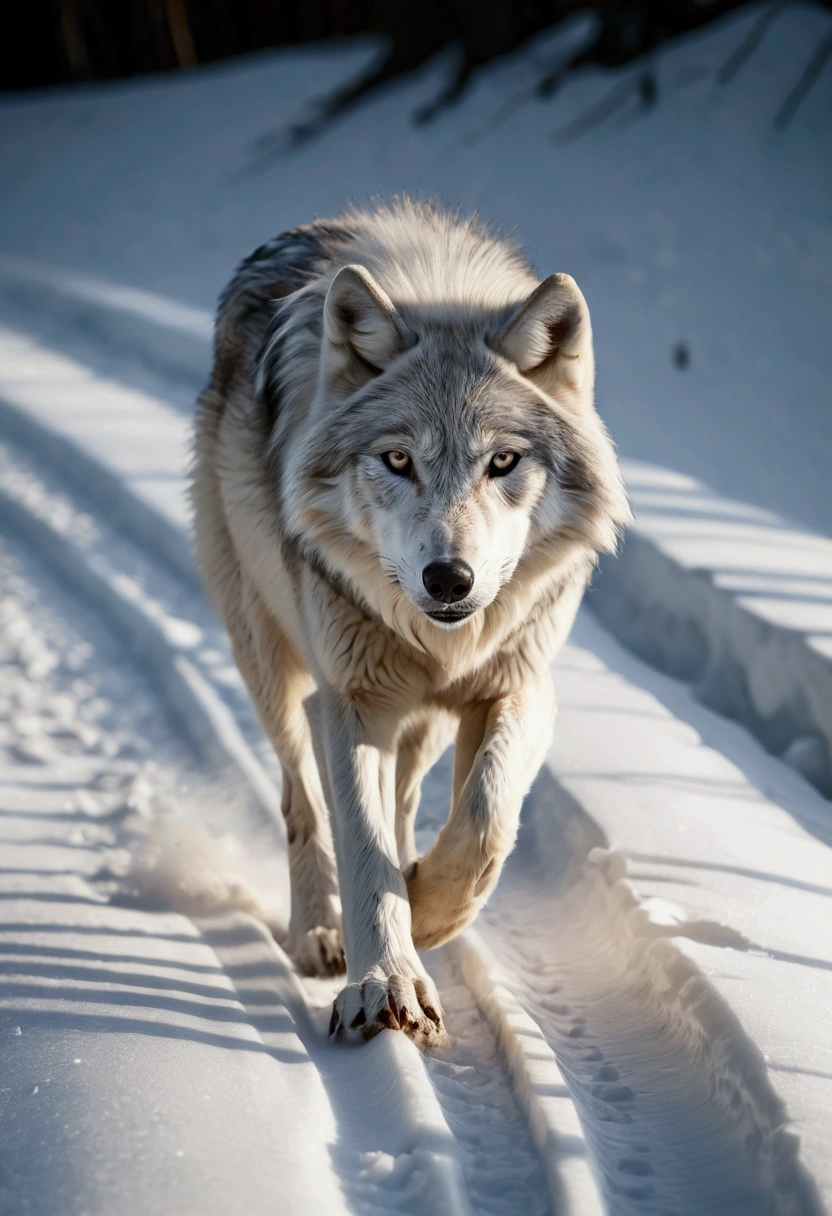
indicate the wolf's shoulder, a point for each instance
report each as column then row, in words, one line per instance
column 283, row 264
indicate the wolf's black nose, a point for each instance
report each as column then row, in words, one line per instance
column 448, row 581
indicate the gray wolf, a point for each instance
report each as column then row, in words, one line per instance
column 401, row 487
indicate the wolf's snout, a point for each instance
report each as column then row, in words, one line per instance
column 448, row 582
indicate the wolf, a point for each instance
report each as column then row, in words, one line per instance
column 400, row 489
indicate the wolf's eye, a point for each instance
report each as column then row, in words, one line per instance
column 502, row 463
column 398, row 462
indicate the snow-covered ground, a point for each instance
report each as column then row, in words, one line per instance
column 640, row 1018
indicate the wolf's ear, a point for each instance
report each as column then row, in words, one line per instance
column 549, row 339
column 362, row 330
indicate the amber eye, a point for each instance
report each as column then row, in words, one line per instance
column 502, row 463
column 398, row 462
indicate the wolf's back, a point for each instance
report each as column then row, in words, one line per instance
column 272, row 272
column 422, row 255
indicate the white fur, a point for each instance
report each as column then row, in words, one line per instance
column 403, row 329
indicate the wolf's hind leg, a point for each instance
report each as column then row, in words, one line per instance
column 316, row 941
column 500, row 747
column 420, row 746
column 279, row 683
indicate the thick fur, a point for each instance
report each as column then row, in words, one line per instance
column 412, row 331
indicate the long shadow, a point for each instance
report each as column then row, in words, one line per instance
column 99, row 354
column 786, row 597
column 27, row 926
column 712, row 933
column 704, row 930
column 28, row 951
column 699, row 511
column 71, row 783
column 25, row 969
column 52, row 897
column 641, row 876
column 738, row 790
column 782, row 576
column 74, row 872
column 56, row 817
column 96, row 1023
column 213, row 1011
column 720, row 868
column 56, row 842
column 109, row 1010
column 156, row 993
column 802, row 1072
column 800, row 960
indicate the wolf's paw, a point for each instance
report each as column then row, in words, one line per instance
column 391, row 1002
column 320, row 951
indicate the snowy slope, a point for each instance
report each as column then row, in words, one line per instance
column 693, row 222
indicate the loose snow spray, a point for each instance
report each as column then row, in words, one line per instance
column 175, row 864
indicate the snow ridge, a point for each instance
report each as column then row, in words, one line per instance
column 734, row 601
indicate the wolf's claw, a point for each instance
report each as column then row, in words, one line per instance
column 393, row 1002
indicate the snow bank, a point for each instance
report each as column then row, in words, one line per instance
column 733, row 600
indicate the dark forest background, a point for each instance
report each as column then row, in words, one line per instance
column 46, row 42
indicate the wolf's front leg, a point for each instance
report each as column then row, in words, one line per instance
column 500, row 748
column 387, row 984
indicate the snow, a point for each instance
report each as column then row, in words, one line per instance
column 639, row 1020
column 145, row 441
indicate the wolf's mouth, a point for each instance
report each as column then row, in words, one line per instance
column 449, row 617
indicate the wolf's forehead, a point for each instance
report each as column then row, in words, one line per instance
column 446, row 375
column 443, row 414
column 462, row 401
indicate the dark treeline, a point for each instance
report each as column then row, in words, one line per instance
column 64, row 41
column 58, row 41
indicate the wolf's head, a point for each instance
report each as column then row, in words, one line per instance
column 454, row 448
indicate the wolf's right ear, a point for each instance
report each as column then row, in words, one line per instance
column 549, row 339
column 363, row 333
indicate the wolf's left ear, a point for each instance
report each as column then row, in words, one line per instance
column 363, row 333
column 549, row 339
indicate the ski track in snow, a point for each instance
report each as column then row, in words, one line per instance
column 670, row 1135
column 500, row 1167
column 64, row 695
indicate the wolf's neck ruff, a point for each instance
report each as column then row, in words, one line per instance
column 401, row 488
